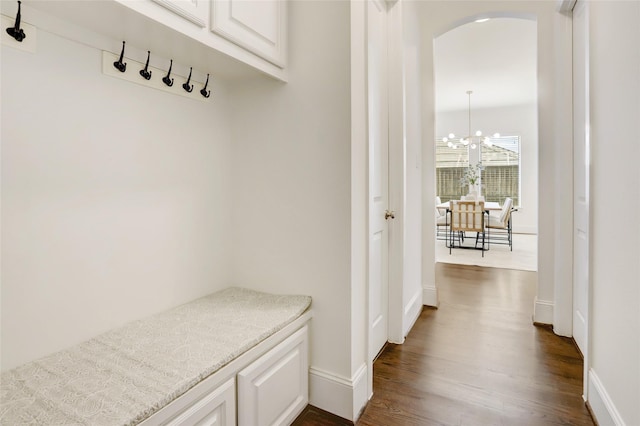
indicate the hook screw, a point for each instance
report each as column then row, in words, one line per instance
column 204, row 91
column 167, row 78
column 145, row 73
column 186, row 86
column 121, row 66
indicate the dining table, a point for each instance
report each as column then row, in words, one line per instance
column 488, row 205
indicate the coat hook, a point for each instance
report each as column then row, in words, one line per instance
column 186, row 86
column 145, row 73
column 15, row 31
column 166, row 79
column 204, row 91
column 121, row 66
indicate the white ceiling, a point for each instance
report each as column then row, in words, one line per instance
column 495, row 59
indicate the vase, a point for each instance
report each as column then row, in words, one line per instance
column 473, row 192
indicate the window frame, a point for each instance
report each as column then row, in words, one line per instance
column 517, row 139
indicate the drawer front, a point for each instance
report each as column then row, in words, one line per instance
column 274, row 389
column 217, row 408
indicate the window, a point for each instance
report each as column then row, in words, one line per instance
column 501, row 175
column 450, row 165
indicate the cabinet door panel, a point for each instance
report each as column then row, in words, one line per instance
column 193, row 10
column 217, row 408
column 257, row 25
column 274, row 389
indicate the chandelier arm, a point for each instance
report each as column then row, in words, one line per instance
column 469, row 139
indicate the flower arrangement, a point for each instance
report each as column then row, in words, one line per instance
column 471, row 176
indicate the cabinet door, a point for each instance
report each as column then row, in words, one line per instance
column 193, row 10
column 274, row 389
column 217, row 408
column 257, row 25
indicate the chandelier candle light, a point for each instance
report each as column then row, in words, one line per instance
column 470, row 140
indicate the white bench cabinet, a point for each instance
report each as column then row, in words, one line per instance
column 236, row 356
column 271, row 390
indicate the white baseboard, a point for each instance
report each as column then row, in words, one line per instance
column 412, row 312
column 430, row 296
column 525, row 230
column 602, row 407
column 543, row 312
column 342, row 396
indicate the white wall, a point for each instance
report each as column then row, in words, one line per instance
column 292, row 185
column 115, row 198
column 615, row 179
column 518, row 120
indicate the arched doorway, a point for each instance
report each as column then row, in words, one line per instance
column 553, row 295
column 485, row 82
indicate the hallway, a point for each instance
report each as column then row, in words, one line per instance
column 477, row 360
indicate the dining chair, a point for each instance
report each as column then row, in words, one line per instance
column 472, row 198
column 441, row 211
column 501, row 225
column 467, row 216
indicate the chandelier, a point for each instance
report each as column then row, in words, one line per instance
column 470, row 140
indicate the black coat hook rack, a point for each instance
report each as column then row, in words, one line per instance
column 145, row 73
column 15, row 31
column 121, row 66
column 167, row 78
column 186, row 86
column 145, row 70
column 204, row 91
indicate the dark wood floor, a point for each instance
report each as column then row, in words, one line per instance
column 476, row 360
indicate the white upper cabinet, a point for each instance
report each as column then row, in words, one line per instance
column 257, row 25
column 227, row 38
column 195, row 11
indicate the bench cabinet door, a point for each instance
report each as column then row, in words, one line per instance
column 274, row 389
column 217, row 408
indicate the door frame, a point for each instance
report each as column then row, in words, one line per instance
column 375, row 214
column 582, row 169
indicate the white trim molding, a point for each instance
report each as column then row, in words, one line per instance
column 412, row 312
column 342, row 396
column 602, row 407
column 430, row 296
column 543, row 311
column 565, row 6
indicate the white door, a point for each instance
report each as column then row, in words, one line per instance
column 581, row 175
column 378, row 137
